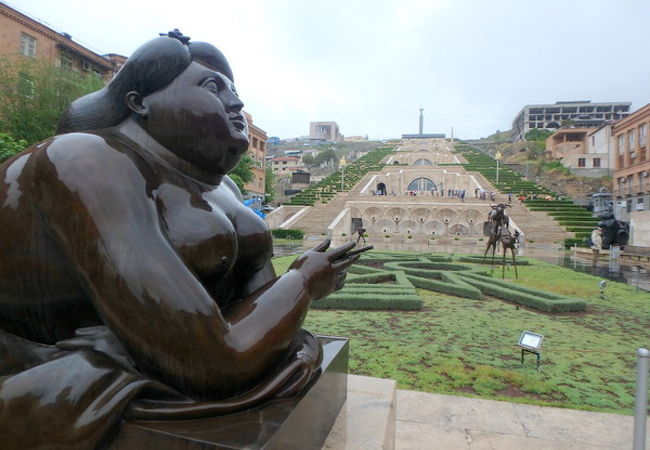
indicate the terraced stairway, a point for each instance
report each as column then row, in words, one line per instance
column 315, row 221
column 326, row 189
column 574, row 218
column 538, row 226
column 509, row 180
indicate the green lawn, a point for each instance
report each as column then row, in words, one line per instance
column 468, row 347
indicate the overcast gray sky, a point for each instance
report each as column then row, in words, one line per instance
column 370, row 65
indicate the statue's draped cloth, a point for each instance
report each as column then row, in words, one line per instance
column 52, row 398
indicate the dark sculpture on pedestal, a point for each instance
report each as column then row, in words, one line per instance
column 132, row 279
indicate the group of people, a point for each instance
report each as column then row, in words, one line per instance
column 484, row 195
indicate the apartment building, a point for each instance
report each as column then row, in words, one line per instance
column 23, row 35
column 581, row 114
column 631, row 190
column 257, row 139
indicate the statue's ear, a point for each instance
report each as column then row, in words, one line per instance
column 133, row 100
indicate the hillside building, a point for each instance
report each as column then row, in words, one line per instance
column 327, row 131
column 286, row 164
column 582, row 114
column 586, row 152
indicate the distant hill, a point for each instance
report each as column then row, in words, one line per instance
column 499, row 136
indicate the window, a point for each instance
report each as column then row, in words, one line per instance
column 593, row 141
column 643, row 131
column 581, row 162
column 620, row 143
column 66, row 60
column 596, row 162
column 422, row 162
column 422, row 184
column 27, row 45
column 630, row 138
column 639, row 204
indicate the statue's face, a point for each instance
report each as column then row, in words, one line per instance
column 199, row 118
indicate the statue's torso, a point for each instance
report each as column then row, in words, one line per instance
column 218, row 238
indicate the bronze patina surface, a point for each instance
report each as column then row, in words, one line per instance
column 132, row 279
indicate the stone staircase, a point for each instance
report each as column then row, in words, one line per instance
column 539, row 227
column 315, row 221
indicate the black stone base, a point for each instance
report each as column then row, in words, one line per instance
column 298, row 423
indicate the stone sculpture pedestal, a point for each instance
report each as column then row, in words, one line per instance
column 298, row 423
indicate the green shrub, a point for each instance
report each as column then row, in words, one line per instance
column 10, row 147
column 533, row 298
column 282, row 233
column 342, row 300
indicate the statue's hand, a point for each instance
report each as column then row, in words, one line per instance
column 324, row 271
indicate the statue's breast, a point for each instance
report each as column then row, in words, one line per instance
column 200, row 231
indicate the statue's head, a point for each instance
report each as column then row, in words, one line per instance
column 181, row 93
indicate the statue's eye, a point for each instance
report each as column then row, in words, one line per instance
column 211, row 84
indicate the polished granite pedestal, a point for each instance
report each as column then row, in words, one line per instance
column 298, row 423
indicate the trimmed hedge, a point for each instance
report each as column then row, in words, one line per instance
column 479, row 259
column 288, row 233
column 457, row 288
column 533, row 298
column 369, row 301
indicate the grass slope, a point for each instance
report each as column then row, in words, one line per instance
column 468, row 347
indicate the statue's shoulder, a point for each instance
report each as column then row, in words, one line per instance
column 84, row 150
column 231, row 186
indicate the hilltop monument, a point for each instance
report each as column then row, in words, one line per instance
column 421, row 134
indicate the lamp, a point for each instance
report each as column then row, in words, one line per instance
column 602, row 284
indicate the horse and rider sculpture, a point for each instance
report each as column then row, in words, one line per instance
column 496, row 227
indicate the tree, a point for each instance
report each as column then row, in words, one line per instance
column 269, row 185
column 537, row 135
column 9, row 146
column 33, row 94
column 324, row 156
column 242, row 173
column 308, row 160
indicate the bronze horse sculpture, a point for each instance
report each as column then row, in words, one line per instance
column 132, row 279
column 498, row 223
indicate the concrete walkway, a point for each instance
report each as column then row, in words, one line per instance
column 434, row 421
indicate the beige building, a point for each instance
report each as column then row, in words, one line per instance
column 631, row 190
column 328, row 131
column 286, row 164
column 586, row 151
column 22, row 35
column 257, row 139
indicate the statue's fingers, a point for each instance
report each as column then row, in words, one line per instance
column 322, row 246
column 345, row 263
column 340, row 251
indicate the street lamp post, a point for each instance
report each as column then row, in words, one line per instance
column 497, row 156
column 342, row 176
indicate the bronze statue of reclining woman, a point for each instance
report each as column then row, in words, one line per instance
column 132, row 279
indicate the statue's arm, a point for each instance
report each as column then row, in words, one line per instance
column 96, row 202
